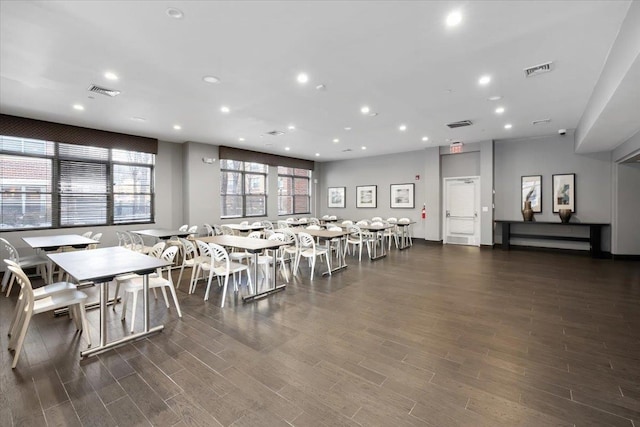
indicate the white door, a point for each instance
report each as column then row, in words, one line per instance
column 461, row 211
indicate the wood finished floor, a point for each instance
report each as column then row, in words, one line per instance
column 434, row 335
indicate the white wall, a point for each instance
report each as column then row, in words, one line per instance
column 626, row 212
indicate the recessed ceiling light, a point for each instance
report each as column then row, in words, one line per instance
column 425, row 138
column 499, row 110
column 138, row 119
column 241, row 139
column 110, row 76
column 211, row 79
column 402, row 128
column 287, row 148
column 302, row 78
column 363, row 148
column 291, row 127
column 224, row 109
column 508, row 126
column 484, row 80
column 172, row 12
column 365, row 110
column 347, row 128
column 78, row 107
column 336, row 140
column 494, row 98
column 317, row 154
column 454, row 18
column 177, row 127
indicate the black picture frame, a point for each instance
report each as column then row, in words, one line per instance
column 531, row 189
column 564, row 192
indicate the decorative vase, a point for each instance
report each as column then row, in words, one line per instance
column 565, row 215
column 527, row 212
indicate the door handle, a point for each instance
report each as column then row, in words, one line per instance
column 448, row 214
column 475, row 214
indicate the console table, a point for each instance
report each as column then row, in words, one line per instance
column 594, row 239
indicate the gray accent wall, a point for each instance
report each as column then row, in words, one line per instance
column 626, row 212
column 381, row 171
column 548, row 156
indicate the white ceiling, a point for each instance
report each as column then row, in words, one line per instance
column 397, row 57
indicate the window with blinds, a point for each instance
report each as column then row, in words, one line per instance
column 45, row 184
column 243, row 189
column 294, row 191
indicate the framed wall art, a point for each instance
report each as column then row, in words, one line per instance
column 564, row 192
column 337, row 197
column 402, row 196
column 367, row 196
column 531, row 188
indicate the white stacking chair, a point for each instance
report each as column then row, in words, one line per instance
column 97, row 237
column 28, row 306
column 210, row 231
column 226, row 230
column 156, row 252
column 290, row 252
column 333, row 217
column 314, row 221
column 335, row 243
column 268, row 225
column 217, row 230
column 193, row 231
column 392, row 233
column 38, row 293
column 137, row 243
column 325, row 216
column 183, row 227
column 87, row 234
column 282, row 224
column 221, row 266
column 38, row 261
column 309, row 250
column 356, row 239
column 409, row 231
column 376, row 219
column 189, row 259
column 132, row 287
column 347, row 222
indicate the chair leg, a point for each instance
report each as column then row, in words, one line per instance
column 328, row 262
column 11, row 280
column 5, row 280
column 206, row 293
column 180, row 275
column 224, row 290
column 313, row 265
column 16, row 313
column 115, row 296
column 20, row 340
column 175, row 300
column 125, row 299
column 85, row 325
column 164, row 295
column 134, row 308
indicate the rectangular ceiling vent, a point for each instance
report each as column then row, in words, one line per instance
column 459, row 124
column 104, row 91
column 275, row 133
column 347, row 150
column 541, row 122
column 538, row 69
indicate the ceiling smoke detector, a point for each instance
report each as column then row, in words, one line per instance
column 459, row 124
column 538, row 69
column 275, row 133
column 103, row 91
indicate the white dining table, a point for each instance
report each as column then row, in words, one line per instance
column 254, row 247
column 49, row 244
column 102, row 266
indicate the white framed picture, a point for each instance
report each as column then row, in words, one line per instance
column 402, row 196
column 336, row 197
column 367, row 196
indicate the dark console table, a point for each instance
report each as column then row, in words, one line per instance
column 594, row 239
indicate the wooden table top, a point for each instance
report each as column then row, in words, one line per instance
column 247, row 243
column 102, row 265
column 56, row 242
column 161, row 233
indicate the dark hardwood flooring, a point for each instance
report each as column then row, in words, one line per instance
column 433, row 335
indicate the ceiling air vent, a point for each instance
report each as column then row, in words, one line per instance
column 347, row 150
column 275, row 133
column 541, row 122
column 103, row 91
column 459, row 124
column 538, row 69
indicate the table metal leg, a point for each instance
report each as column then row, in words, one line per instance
column 342, row 264
column 276, row 288
column 375, row 248
column 104, row 345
